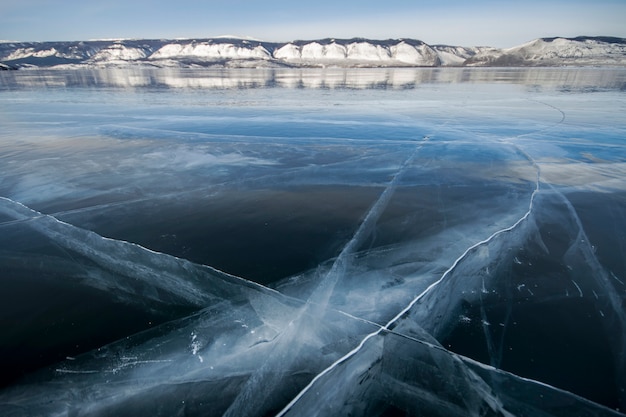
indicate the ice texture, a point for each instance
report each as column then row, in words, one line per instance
column 185, row 247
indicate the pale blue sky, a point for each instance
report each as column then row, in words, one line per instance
column 455, row 22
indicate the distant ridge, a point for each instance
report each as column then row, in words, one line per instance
column 607, row 39
column 232, row 52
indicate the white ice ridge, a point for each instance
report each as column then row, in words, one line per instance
column 323, row 292
column 22, row 213
column 394, row 320
column 317, row 302
column 133, row 261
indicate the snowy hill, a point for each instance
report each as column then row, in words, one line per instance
column 557, row 52
column 357, row 52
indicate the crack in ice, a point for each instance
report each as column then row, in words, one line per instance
column 319, row 299
column 188, row 290
column 324, row 290
column 394, row 320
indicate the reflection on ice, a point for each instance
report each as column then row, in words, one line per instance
column 443, row 250
column 328, row 78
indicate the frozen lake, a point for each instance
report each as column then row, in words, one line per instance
column 202, row 242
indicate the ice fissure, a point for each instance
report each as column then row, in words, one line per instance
column 304, row 242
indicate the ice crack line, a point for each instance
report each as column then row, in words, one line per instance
column 27, row 214
column 547, row 127
column 324, row 290
column 601, row 276
column 394, row 320
column 266, row 377
column 319, row 299
column 92, row 245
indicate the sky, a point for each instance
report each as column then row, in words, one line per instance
column 499, row 23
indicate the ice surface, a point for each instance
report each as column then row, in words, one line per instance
column 179, row 247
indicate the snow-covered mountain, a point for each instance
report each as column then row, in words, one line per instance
column 557, row 52
column 357, row 52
